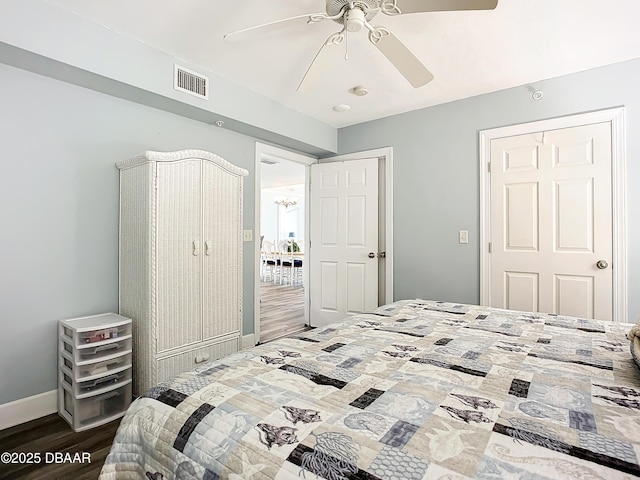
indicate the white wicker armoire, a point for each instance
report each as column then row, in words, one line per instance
column 180, row 272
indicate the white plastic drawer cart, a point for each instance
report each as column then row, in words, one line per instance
column 94, row 369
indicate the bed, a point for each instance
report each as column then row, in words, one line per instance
column 414, row 390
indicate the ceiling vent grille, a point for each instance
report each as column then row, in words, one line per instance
column 190, row 82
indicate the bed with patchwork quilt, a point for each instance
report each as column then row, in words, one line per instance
column 414, row 390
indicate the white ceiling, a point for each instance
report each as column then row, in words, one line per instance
column 521, row 42
column 283, row 173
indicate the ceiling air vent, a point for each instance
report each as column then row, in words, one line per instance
column 268, row 161
column 191, row 82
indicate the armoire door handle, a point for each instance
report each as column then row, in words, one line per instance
column 196, row 248
column 207, row 247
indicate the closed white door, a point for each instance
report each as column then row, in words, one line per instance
column 178, row 253
column 551, row 222
column 344, row 240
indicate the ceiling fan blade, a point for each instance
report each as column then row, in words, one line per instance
column 273, row 26
column 395, row 7
column 320, row 63
column 401, row 57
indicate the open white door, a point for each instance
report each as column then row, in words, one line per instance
column 344, row 239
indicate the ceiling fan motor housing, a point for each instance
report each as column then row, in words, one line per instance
column 354, row 19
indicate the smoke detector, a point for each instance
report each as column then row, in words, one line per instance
column 360, row 90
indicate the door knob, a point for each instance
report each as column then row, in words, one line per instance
column 371, row 255
column 602, row 264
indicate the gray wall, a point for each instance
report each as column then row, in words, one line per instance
column 40, row 35
column 59, row 210
column 59, row 195
column 437, row 175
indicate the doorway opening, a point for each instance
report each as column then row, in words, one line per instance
column 282, row 249
column 281, row 306
column 385, row 222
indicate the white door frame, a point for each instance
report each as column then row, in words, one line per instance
column 386, row 155
column 269, row 151
column 616, row 116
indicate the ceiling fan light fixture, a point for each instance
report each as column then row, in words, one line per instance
column 354, row 20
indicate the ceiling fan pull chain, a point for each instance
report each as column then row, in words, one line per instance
column 346, row 45
column 390, row 7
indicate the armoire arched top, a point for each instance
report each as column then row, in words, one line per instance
column 153, row 156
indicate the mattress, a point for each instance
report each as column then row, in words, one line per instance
column 414, row 390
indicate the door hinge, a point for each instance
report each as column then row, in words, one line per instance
column 489, row 167
column 489, row 247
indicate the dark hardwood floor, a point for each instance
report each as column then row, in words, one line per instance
column 51, row 435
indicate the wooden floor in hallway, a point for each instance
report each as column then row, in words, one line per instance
column 281, row 310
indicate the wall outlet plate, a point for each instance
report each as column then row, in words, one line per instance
column 463, row 236
column 248, row 235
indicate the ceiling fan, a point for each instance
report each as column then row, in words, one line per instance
column 354, row 15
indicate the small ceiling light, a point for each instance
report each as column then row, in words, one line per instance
column 360, row 91
column 354, row 20
column 342, row 108
column 537, row 95
column 219, row 123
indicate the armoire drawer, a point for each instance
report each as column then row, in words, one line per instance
column 183, row 362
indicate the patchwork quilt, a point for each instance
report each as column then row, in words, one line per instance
column 415, row 390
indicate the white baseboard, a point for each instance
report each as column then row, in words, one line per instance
column 27, row 409
column 248, row 341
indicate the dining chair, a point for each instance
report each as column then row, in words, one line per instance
column 290, row 264
column 270, row 263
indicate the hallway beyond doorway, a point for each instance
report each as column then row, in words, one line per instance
column 281, row 310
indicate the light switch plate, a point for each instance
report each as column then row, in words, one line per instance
column 248, row 235
column 463, row 236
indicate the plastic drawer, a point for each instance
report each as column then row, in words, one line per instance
column 95, row 384
column 100, row 335
column 93, row 352
column 90, row 370
column 84, row 413
column 94, row 329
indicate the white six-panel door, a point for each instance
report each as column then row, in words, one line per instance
column 344, row 235
column 551, row 221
